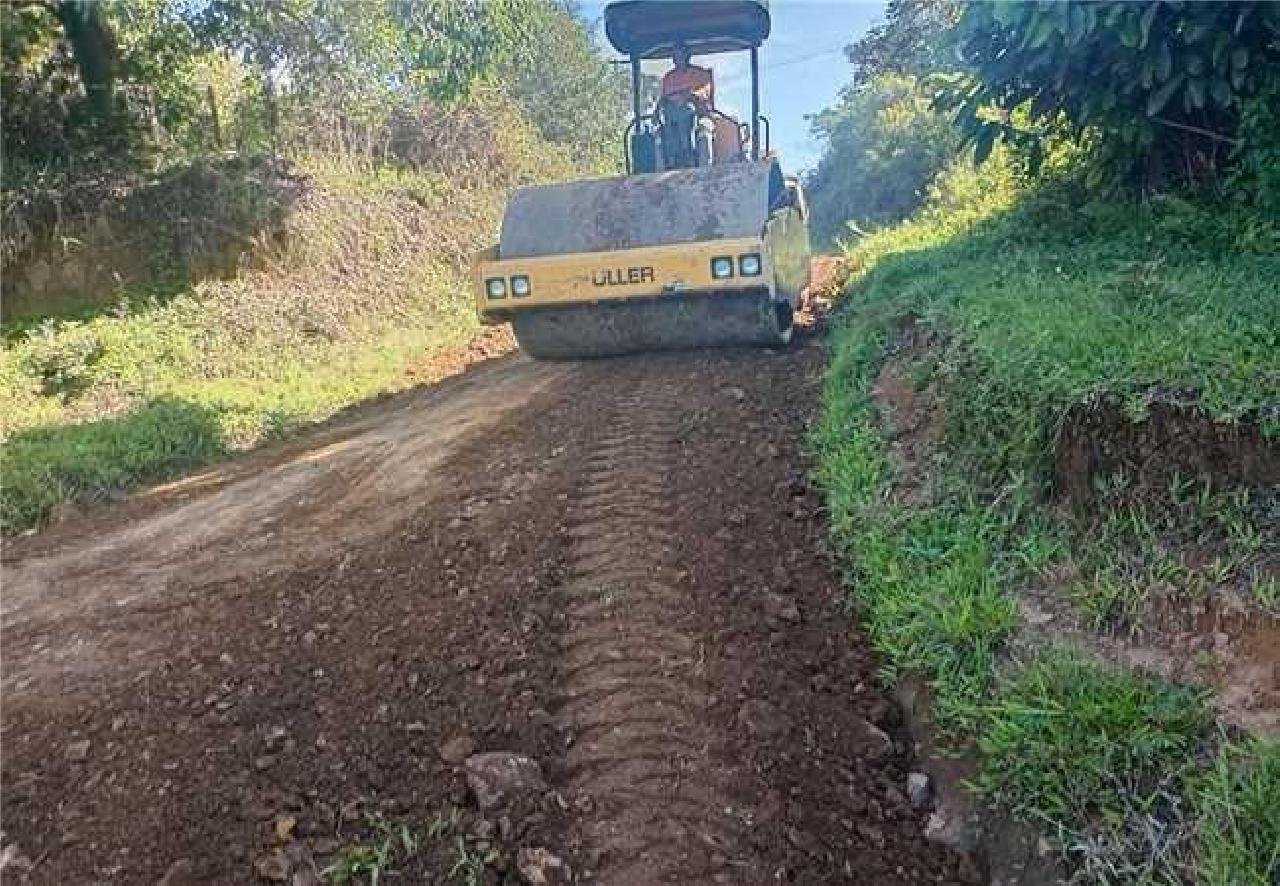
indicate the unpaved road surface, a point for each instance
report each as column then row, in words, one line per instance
column 614, row 569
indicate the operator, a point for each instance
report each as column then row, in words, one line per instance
column 687, row 82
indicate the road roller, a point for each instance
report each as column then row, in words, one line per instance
column 703, row 241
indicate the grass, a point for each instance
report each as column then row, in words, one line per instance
column 371, row 862
column 390, row 846
column 929, row 581
column 1238, row 833
column 1040, row 301
column 1048, row 299
column 1187, row 545
column 362, row 281
column 1099, row 757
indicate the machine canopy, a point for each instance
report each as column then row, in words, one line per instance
column 652, row 28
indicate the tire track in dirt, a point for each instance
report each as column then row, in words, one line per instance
column 656, row 806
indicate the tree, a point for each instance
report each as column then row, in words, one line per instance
column 569, row 91
column 883, row 145
column 176, row 77
column 912, row 40
column 1157, row 85
column 93, row 47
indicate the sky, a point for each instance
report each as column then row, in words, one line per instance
column 802, row 67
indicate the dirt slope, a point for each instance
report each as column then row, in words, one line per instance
column 613, row 568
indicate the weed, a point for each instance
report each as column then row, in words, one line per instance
column 1125, row 549
column 443, row 825
column 62, row 357
column 369, row 862
column 471, row 860
column 1266, row 590
column 1108, row 600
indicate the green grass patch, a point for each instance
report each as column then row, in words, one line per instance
column 927, row 581
column 1181, row 547
column 188, row 422
column 1100, row 758
column 1047, row 298
column 1040, row 300
column 1238, row 827
column 359, row 285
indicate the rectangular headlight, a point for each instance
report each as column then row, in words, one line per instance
column 721, row 267
column 749, row 265
column 520, row 286
column 495, row 287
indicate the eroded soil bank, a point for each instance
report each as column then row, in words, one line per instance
column 614, row 569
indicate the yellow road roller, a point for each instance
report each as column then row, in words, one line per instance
column 702, row 242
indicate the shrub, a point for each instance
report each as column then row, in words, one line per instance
column 1258, row 176
column 1159, row 84
column 63, row 357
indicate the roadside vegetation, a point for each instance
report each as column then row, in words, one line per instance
column 223, row 221
column 1093, row 276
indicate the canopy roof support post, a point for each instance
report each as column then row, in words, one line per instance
column 635, row 88
column 755, row 102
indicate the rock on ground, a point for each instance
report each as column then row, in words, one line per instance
column 499, row 777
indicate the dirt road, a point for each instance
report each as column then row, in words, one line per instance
column 614, row 569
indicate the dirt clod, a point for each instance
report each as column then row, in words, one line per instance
column 919, row 789
column 497, row 777
column 457, row 749
column 541, row 867
column 273, row 867
column 284, row 827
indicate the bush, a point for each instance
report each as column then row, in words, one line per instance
column 62, row 357
column 1155, row 88
column 1258, row 177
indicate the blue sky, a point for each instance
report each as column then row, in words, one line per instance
column 802, row 68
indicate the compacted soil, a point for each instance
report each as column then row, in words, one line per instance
column 614, row 569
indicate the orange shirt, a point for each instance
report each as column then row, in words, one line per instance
column 693, row 80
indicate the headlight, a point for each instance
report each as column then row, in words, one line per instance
column 721, row 267
column 496, row 287
column 520, row 286
column 749, row 264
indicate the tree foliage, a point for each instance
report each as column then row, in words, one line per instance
column 883, row 144
column 882, row 141
column 913, row 39
column 134, row 79
column 1157, row 86
column 571, row 94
